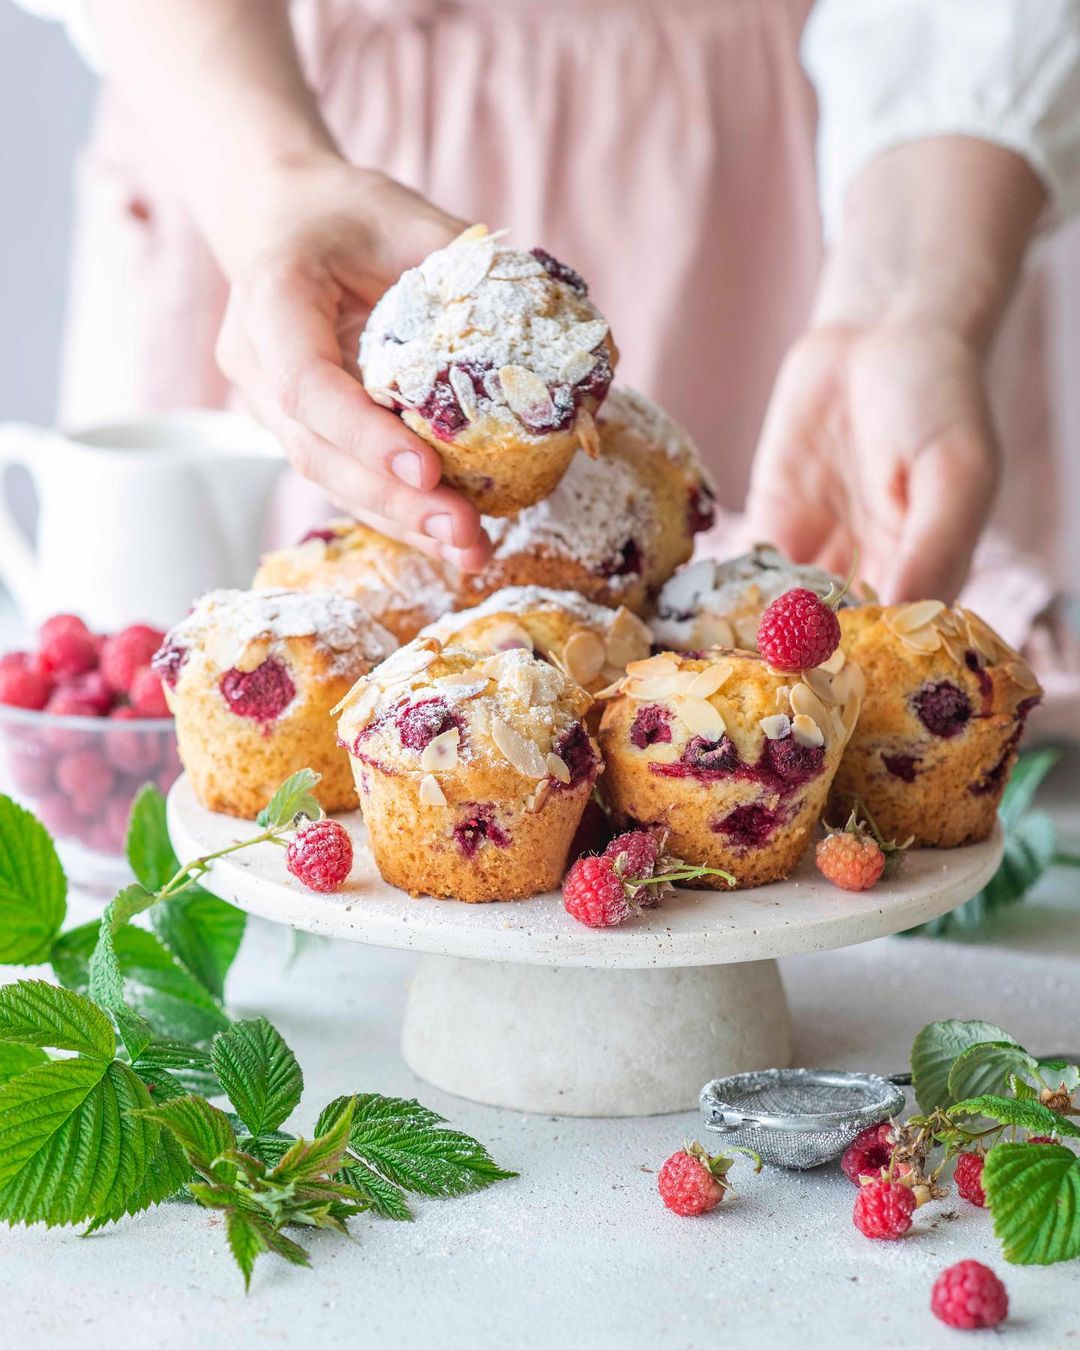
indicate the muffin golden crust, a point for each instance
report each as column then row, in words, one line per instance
column 251, row 677
column 591, row 643
column 616, row 527
column 403, row 588
column 733, row 760
column 473, row 770
column 498, row 359
column 713, row 603
column 945, row 706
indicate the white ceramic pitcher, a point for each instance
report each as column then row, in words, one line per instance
column 136, row 519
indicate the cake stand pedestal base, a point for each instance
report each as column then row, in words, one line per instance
column 578, row 1041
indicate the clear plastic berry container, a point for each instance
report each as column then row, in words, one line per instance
column 79, row 776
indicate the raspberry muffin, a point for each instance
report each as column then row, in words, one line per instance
column 251, row 677
column 713, row 603
column 403, row 588
column 733, row 760
column 591, row 643
column 616, row 527
column 498, row 359
column 473, row 771
column 940, row 728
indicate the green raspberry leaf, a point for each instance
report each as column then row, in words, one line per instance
column 16, row 1059
column 155, row 984
column 259, row 1073
column 104, row 977
column 987, row 1067
column 250, row 1235
column 292, row 798
column 203, row 932
column 321, row 1156
column 1028, row 1115
column 1033, row 1191
column 411, row 1147
column 72, row 1144
column 935, row 1050
column 33, row 1012
column 33, row 888
column 380, row 1195
column 202, row 1131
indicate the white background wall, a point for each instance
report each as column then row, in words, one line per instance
column 46, row 100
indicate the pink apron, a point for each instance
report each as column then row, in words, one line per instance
column 664, row 148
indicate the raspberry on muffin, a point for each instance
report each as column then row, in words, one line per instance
column 473, row 770
column 591, row 643
column 940, row 728
column 616, row 527
column 403, row 588
column 498, row 359
column 720, row 604
column 251, row 677
column 732, row 759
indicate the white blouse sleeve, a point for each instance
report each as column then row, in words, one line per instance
column 889, row 71
column 73, row 15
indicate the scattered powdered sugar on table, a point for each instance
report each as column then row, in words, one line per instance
column 227, row 622
column 475, row 309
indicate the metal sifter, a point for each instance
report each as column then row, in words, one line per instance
column 798, row 1118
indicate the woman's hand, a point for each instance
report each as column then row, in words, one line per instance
column 326, row 243
column 878, row 446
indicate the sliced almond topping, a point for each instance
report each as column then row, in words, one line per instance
column 710, row 630
column 557, row 768
column 821, row 682
column 576, row 366
column 407, row 662
column 653, row 665
column 464, row 684
column 1022, row 673
column 925, row 641
column 585, row 336
column 464, row 392
column 539, row 795
column 850, row 684
column 523, row 754
column 948, row 622
column 783, row 697
column 835, row 664
column 466, row 265
column 505, row 635
column 441, row 752
column 776, row 727
column 852, row 708
column 708, row 681
column 700, row 717
column 805, row 702
column 806, row 731
column 952, row 648
column 909, row 617
column 612, row 690
column 628, row 638
column 431, row 794
column 662, row 686
column 982, row 637
column 526, row 393
column 470, row 232
column 587, row 434
column 584, row 655
column 254, row 654
column 361, row 698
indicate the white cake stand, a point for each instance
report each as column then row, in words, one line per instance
column 518, row 1005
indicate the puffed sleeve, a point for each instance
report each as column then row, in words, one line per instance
column 890, row 71
column 73, row 15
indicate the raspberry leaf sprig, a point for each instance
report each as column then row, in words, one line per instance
column 633, row 873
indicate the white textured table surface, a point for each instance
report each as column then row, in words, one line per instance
column 579, row 1251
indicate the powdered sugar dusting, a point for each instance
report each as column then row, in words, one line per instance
column 496, row 315
column 625, row 407
column 227, row 624
column 524, row 600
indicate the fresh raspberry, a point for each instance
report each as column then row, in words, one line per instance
column 114, row 823
column 634, row 854
column 167, row 661
column 19, row 659
column 968, row 1178
column 883, row 1209
column 67, row 701
column 798, row 631
column 30, row 767
column 1041, row 1139
column 24, row 686
column 126, row 652
column 61, row 623
column 68, row 652
column 969, row 1295
column 869, row 1152
column 691, row 1182
column 262, row 694
column 147, row 693
column 320, row 855
column 854, row 862
column 130, row 751
column 575, row 748
column 86, row 779
column 594, row 894
column 89, row 688
column 57, row 815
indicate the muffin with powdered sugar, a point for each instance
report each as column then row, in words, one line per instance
column 498, row 359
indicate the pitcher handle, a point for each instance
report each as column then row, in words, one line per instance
column 18, row 566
